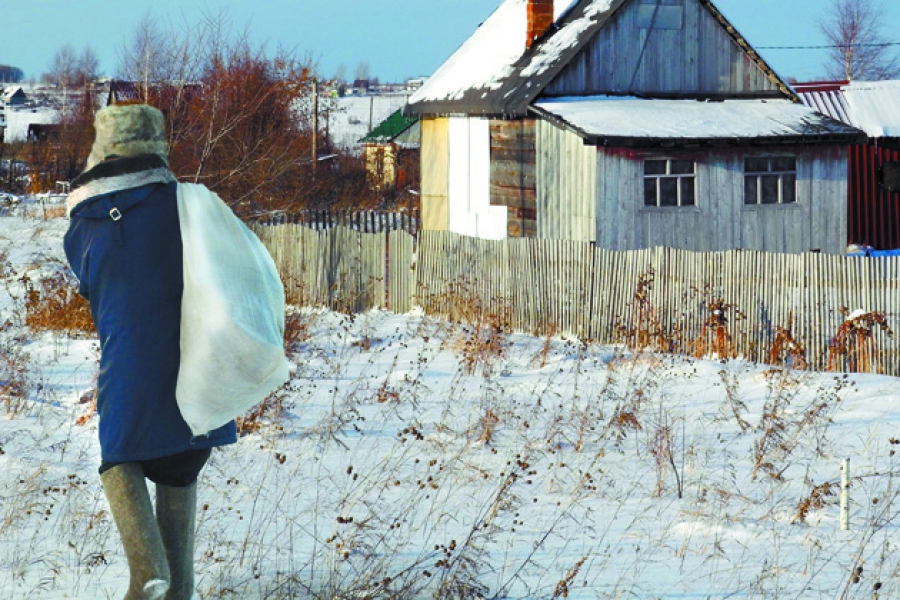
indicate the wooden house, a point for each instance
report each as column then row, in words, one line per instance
column 873, row 214
column 387, row 150
column 629, row 124
column 15, row 96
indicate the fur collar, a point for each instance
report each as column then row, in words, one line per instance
column 116, row 175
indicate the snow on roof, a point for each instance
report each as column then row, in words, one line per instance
column 494, row 72
column 636, row 118
column 874, row 107
column 565, row 38
column 484, row 60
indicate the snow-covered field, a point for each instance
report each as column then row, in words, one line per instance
column 352, row 117
column 384, row 470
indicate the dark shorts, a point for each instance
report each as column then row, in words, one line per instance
column 177, row 470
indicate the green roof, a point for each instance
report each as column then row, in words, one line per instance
column 390, row 128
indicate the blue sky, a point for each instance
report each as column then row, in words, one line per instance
column 397, row 38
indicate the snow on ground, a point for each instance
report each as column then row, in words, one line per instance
column 384, row 470
column 352, row 117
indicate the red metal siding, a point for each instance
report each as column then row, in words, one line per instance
column 874, row 214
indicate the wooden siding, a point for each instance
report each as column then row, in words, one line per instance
column 720, row 220
column 513, row 174
column 566, row 185
column 701, row 57
column 435, row 169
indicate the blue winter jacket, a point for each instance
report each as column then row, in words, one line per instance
column 124, row 245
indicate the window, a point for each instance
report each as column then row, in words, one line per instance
column 770, row 180
column 669, row 182
column 660, row 14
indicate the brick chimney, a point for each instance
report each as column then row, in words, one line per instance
column 540, row 18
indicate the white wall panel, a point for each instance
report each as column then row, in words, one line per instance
column 471, row 212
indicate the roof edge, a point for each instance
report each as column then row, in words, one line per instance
column 744, row 45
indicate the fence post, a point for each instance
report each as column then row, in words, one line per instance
column 845, row 495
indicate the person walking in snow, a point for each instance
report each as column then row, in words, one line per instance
column 124, row 245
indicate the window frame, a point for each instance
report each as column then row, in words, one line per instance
column 669, row 175
column 770, row 171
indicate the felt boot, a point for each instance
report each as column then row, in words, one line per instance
column 129, row 501
column 176, row 513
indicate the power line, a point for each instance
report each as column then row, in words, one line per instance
column 884, row 45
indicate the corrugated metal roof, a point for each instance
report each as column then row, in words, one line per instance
column 389, row 129
column 639, row 121
column 873, row 106
column 493, row 73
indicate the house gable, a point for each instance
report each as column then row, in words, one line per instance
column 691, row 50
column 493, row 73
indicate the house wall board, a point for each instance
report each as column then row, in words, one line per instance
column 513, row 174
column 700, row 57
column 435, row 165
column 566, row 185
column 721, row 221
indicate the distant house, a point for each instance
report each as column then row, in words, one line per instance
column 360, row 86
column 874, row 179
column 629, row 124
column 386, row 149
column 161, row 95
column 15, row 96
column 124, row 92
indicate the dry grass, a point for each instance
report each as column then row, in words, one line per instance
column 853, row 348
column 52, row 304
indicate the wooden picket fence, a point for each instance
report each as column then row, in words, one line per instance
column 365, row 221
column 737, row 303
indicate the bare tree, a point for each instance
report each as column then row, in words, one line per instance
column 64, row 66
column 340, row 74
column 363, row 71
column 88, row 67
column 860, row 50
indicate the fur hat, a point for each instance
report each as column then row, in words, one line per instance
column 126, row 131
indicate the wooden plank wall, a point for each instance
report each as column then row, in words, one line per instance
column 577, row 289
column 699, row 57
column 435, row 173
column 720, row 220
column 567, row 185
column 513, row 174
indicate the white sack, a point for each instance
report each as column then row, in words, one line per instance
column 232, row 314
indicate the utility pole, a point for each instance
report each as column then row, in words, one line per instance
column 315, row 127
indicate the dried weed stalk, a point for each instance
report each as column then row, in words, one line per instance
column 482, row 326
column 853, row 348
column 562, row 588
column 787, row 351
column 783, row 424
column 52, row 304
column 714, row 338
column 818, row 498
column 643, row 330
